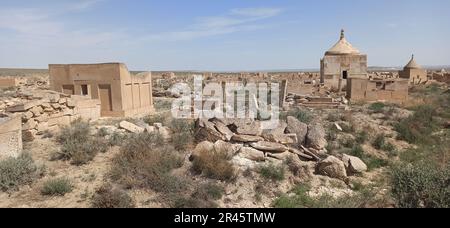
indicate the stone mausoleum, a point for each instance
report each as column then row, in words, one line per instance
column 121, row 94
column 341, row 62
column 414, row 72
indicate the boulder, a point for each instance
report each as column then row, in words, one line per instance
column 131, row 127
column 316, row 137
column 223, row 129
column 245, row 127
column 269, row 147
column 282, row 156
column 354, row 165
column 246, row 138
column 228, row 148
column 332, row 167
column 206, row 131
column 294, row 126
column 252, row 154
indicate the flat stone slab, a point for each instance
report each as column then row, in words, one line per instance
column 269, row 147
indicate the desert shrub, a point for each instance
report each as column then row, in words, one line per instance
column 418, row 127
column 377, row 107
column 334, row 117
column 144, row 163
column 77, row 144
column 209, row 191
column 362, row 137
column 357, row 151
column 214, row 165
column 163, row 105
column 379, row 142
column 347, row 142
column 183, row 133
column 57, row 187
column 301, row 114
column 272, row 172
column 348, row 127
column 371, row 161
column 109, row 197
column 178, row 201
column 116, row 139
column 15, row 172
column 151, row 120
column 374, row 162
column 422, row 185
column 299, row 198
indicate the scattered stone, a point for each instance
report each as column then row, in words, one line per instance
column 332, row 167
column 150, row 129
column 37, row 111
column 269, row 147
column 30, row 124
column 252, row 154
column 224, row 130
column 206, row 131
column 164, row 132
column 246, row 138
column 27, row 115
column 245, row 127
column 131, row 127
column 316, row 137
column 294, row 126
column 354, row 165
column 56, row 106
column 338, row 127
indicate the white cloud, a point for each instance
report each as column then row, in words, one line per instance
column 236, row 20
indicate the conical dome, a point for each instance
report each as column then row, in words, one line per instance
column 413, row 64
column 343, row 47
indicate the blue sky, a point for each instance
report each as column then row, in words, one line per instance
column 220, row 34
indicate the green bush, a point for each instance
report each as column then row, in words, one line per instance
column 422, row 185
column 357, row 151
column 144, row 163
column 379, row 142
column 183, row 133
column 57, row 187
column 77, row 144
column 362, row 137
column 272, row 172
column 16, row 172
column 107, row 197
column 299, row 198
column 214, row 165
column 302, row 115
column 418, row 127
column 377, row 107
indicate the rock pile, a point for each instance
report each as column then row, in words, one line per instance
column 248, row 145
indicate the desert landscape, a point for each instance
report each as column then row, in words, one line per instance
column 144, row 109
column 327, row 152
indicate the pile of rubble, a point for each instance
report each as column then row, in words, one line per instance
column 296, row 100
column 43, row 111
column 248, row 145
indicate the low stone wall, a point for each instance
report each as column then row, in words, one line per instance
column 8, row 82
column 52, row 111
column 10, row 137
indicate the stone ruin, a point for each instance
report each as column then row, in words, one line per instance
column 120, row 93
column 10, row 137
column 42, row 111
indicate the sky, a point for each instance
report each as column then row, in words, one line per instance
column 220, row 35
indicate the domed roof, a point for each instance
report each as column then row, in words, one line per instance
column 413, row 64
column 343, row 47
